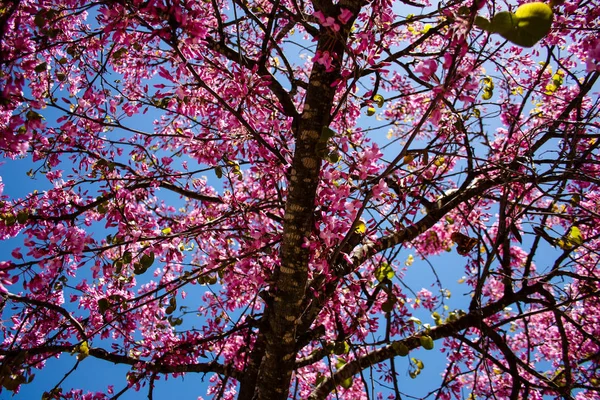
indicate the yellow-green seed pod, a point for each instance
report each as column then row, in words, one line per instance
column 487, row 94
column 503, row 22
column 346, row 383
column 534, row 21
column 426, row 342
column 400, row 348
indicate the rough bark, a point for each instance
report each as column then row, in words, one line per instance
column 290, row 280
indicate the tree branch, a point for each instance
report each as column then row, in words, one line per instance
column 473, row 319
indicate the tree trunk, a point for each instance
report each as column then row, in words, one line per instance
column 282, row 315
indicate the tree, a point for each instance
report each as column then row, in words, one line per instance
column 240, row 188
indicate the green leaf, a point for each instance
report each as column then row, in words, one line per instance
column 326, row 134
column 341, row 348
column 571, row 239
column 464, row 11
column 33, row 116
column 388, row 305
column 333, row 157
column 40, row 19
column 41, row 67
column 117, row 55
column 13, row 381
column 575, row 236
column 482, row 23
column 9, row 219
column 346, row 383
column 138, row 269
column 118, row 266
column 147, row 260
column 172, row 306
column 103, row 305
column 22, row 217
column 320, row 379
column 385, row 271
column 83, row 350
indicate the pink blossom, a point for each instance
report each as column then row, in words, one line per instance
column 16, row 253
column 345, row 16
column 327, row 22
column 593, row 56
column 324, row 58
column 426, row 299
column 426, row 68
column 5, row 279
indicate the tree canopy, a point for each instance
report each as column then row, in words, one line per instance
column 241, row 189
